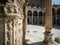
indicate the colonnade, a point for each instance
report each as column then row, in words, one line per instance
column 48, row 21
column 35, row 18
column 40, row 15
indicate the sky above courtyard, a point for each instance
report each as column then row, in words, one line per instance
column 56, row 2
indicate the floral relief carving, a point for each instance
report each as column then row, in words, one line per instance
column 9, row 32
column 10, row 9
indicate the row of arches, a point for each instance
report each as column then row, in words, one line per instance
column 54, row 12
column 56, row 16
column 35, row 12
column 35, row 17
column 38, row 17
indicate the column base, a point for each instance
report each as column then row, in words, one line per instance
column 45, row 42
column 50, row 43
column 47, row 38
column 25, row 43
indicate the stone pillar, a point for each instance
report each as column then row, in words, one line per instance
column 24, row 27
column 56, row 16
column 48, row 21
column 24, row 22
column 32, row 17
column 42, row 18
column 10, row 25
column 13, row 31
column 38, row 18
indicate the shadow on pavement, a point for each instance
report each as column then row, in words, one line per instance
column 56, row 26
column 37, row 43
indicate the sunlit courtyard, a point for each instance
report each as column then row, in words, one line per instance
column 35, row 34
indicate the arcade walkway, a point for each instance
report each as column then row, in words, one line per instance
column 35, row 34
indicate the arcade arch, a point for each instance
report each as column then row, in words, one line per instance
column 40, row 17
column 29, row 17
column 35, row 13
column 58, row 16
column 53, row 16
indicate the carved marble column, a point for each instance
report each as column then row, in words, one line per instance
column 48, row 21
column 13, row 24
column 11, row 20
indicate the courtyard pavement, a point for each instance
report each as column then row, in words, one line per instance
column 35, row 34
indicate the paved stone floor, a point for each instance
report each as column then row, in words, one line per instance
column 35, row 34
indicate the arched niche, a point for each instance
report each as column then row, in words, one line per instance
column 58, row 16
column 53, row 11
column 29, row 13
column 40, row 13
column 35, row 13
column 58, row 11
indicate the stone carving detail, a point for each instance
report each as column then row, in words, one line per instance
column 9, row 31
column 11, row 23
column 13, row 31
column 18, row 31
column 10, row 9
